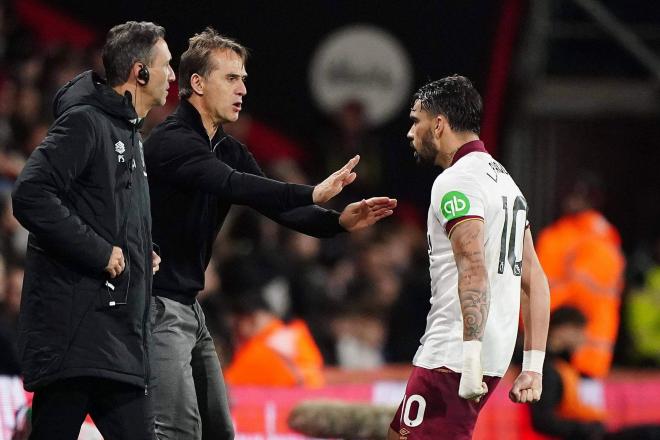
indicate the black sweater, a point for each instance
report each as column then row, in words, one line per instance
column 193, row 182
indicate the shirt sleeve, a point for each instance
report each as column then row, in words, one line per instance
column 311, row 220
column 456, row 198
column 195, row 166
column 41, row 187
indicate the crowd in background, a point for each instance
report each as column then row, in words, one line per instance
column 364, row 296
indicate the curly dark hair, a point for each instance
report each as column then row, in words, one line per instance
column 455, row 98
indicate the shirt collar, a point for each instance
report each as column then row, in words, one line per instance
column 189, row 114
column 470, row 147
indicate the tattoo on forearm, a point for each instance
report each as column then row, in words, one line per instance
column 473, row 294
column 472, row 283
column 475, row 305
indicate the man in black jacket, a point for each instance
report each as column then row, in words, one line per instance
column 196, row 172
column 83, row 195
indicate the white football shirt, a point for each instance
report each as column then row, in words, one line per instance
column 475, row 188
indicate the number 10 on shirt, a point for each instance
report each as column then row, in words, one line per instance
column 513, row 252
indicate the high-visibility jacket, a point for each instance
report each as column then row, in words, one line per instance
column 643, row 313
column 571, row 406
column 280, row 355
column 582, row 258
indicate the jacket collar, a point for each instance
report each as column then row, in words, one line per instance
column 470, row 147
column 189, row 114
column 89, row 88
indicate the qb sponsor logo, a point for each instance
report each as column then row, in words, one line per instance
column 454, row 204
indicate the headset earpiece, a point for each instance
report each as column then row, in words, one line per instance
column 143, row 75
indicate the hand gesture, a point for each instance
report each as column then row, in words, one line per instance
column 333, row 185
column 526, row 388
column 155, row 261
column 365, row 213
column 116, row 263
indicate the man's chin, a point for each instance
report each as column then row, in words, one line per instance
column 423, row 161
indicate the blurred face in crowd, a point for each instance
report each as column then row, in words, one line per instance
column 224, row 87
column 566, row 338
column 160, row 75
column 421, row 134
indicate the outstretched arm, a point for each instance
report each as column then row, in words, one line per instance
column 467, row 241
column 535, row 306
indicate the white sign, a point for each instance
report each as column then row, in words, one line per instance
column 361, row 63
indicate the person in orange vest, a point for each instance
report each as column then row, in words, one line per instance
column 582, row 258
column 271, row 352
column 562, row 412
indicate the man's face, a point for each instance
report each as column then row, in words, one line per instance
column 421, row 134
column 567, row 338
column 224, row 86
column 160, row 74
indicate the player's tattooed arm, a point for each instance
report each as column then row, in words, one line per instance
column 467, row 240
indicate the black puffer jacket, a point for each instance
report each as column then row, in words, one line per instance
column 84, row 190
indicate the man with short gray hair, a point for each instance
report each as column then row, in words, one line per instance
column 84, row 332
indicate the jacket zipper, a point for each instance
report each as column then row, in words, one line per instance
column 213, row 147
column 147, row 301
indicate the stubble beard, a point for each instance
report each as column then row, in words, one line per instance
column 427, row 152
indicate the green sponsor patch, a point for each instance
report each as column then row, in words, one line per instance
column 454, row 204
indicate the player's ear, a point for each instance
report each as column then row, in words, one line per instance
column 197, row 83
column 439, row 123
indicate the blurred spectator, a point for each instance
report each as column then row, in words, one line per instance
column 349, row 133
column 266, row 143
column 643, row 314
column 582, row 258
column 9, row 364
column 406, row 323
column 308, row 288
column 563, row 411
column 271, row 352
column 12, row 396
column 13, row 236
column 360, row 334
column 27, row 112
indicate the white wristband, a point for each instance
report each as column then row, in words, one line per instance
column 472, row 350
column 533, row 361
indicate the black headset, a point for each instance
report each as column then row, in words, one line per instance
column 143, row 75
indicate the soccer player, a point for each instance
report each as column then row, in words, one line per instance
column 483, row 268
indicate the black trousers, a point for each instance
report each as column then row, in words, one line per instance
column 120, row 411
